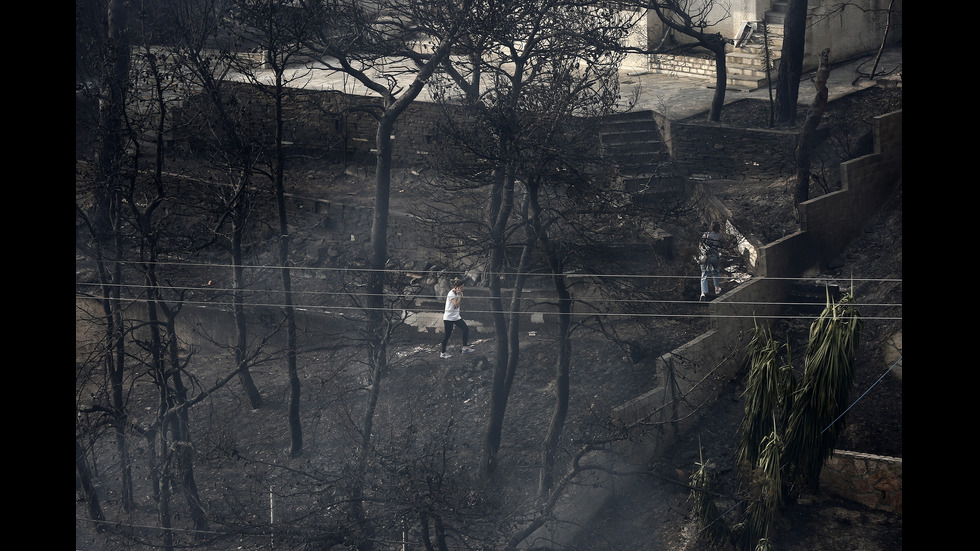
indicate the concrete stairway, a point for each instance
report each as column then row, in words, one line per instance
column 777, row 14
column 746, row 67
column 747, row 64
column 633, row 141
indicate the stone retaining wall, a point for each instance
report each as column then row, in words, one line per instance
column 328, row 123
column 683, row 65
column 833, row 220
column 874, row 481
column 711, row 151
column 325, row 123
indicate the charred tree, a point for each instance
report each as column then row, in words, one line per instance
column 691, row 20
column 791, row 62
column 807, row 140
column 229, row 152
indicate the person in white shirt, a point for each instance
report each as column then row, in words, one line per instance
column 451, row 318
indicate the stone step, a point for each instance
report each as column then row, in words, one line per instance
column 742, row 84
column 636, row 158
column 775, row 18
column 776, row 31
column 737, row 60
column 776, row 14
column 631, row 161
column 779, row 6
column 624, row 136
column 650, row 180
column 631, row 116
column 619, row 123
column 620, row 126
column 758, row 51
column 749, row 73
column 750, row 79
column 636, row 142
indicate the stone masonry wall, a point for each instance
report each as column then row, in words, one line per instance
column 831, row 221
column 329, row 123
column 874, row 481
column 709, row 151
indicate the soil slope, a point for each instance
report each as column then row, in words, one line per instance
column 233, row 439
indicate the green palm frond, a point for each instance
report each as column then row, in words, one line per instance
column 770, row 383
column 815, row 421
column 766, row 489
column 705, row 511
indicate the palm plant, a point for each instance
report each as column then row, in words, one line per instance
column 770, row 383
column 766, row 495
column 816, row 417
column 789, row 424
column 704, row 510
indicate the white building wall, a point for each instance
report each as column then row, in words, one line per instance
column 637, row 63
column 857, row 30
column 724, row 16
column 746, row 11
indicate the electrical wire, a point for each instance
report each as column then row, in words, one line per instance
column 863, row 394
column 167, row 529
column 418, row 273
column 252, row 292
column 584, row 297
column 409, row 310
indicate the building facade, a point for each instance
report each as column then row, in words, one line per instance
column 849, row 29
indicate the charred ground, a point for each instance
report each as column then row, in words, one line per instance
column 234, row 441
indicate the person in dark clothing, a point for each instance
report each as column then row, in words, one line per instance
column 709, row 258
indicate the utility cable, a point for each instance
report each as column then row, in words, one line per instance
column 252, row 291
column 862, row 395
column 419, row 273
column 416, row 311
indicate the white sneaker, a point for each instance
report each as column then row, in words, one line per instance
column 445, row 355
column 717, row 290
column 467, row 350
column 702, row 298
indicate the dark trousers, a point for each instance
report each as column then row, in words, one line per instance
column 449, row 325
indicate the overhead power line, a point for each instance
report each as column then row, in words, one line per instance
column 419, row 273
column 415, row 310
column 251, row 291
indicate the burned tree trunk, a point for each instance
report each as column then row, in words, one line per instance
column 791, row 61
column 808, row 135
